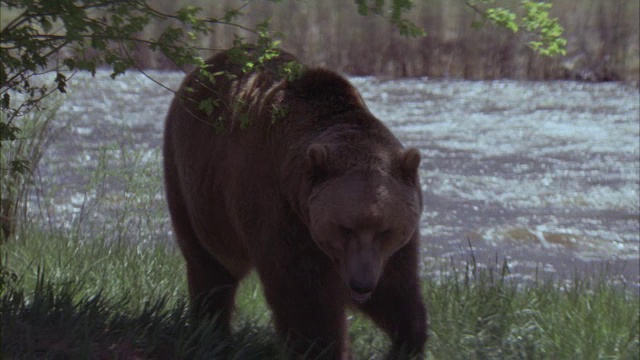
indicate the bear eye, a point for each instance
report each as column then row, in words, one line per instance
column 346, row 231
column 385, row 234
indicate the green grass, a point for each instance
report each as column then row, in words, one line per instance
column 86, row 300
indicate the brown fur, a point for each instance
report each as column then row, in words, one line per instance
column 324, row 203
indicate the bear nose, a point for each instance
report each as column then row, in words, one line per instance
column 361, row 287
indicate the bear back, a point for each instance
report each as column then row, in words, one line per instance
column 326, row 91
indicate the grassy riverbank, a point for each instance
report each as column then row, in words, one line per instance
column 89, row 299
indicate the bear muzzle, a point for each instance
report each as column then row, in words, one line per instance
column 363, row 269
column 361, row 291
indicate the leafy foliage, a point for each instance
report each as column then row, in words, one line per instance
column 60, row 37
column 535, row 20
column 395, row 14
column 63, row 36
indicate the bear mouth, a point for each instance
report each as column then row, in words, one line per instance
column 360, row 298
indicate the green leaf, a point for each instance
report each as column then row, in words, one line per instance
column 245, row 120
column 207, row 105
column 292, row 70
column 8, row 132
column 6, row 101
column 46, row 24
column 278, row 112
column 119, row 68
column 395, row 15
column 61, row 81
column 503, row 17
column 20, row 166
column 219, row 125
column 188, row 14
column 363, row 9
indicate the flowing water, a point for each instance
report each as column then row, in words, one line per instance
column 543, row 174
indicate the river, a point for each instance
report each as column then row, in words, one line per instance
column 543, row 174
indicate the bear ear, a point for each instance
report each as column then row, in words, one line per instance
column 318, row 160
column 409, row 164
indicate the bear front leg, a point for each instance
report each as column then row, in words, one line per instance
column 212, row 289
column 308, row 301
column 396, row 304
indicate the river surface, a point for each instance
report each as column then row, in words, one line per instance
column 543, row 174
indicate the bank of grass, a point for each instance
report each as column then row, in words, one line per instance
column 62, row 298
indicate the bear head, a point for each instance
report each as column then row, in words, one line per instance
column 360, row 216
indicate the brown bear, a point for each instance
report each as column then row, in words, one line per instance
column 295, row 178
